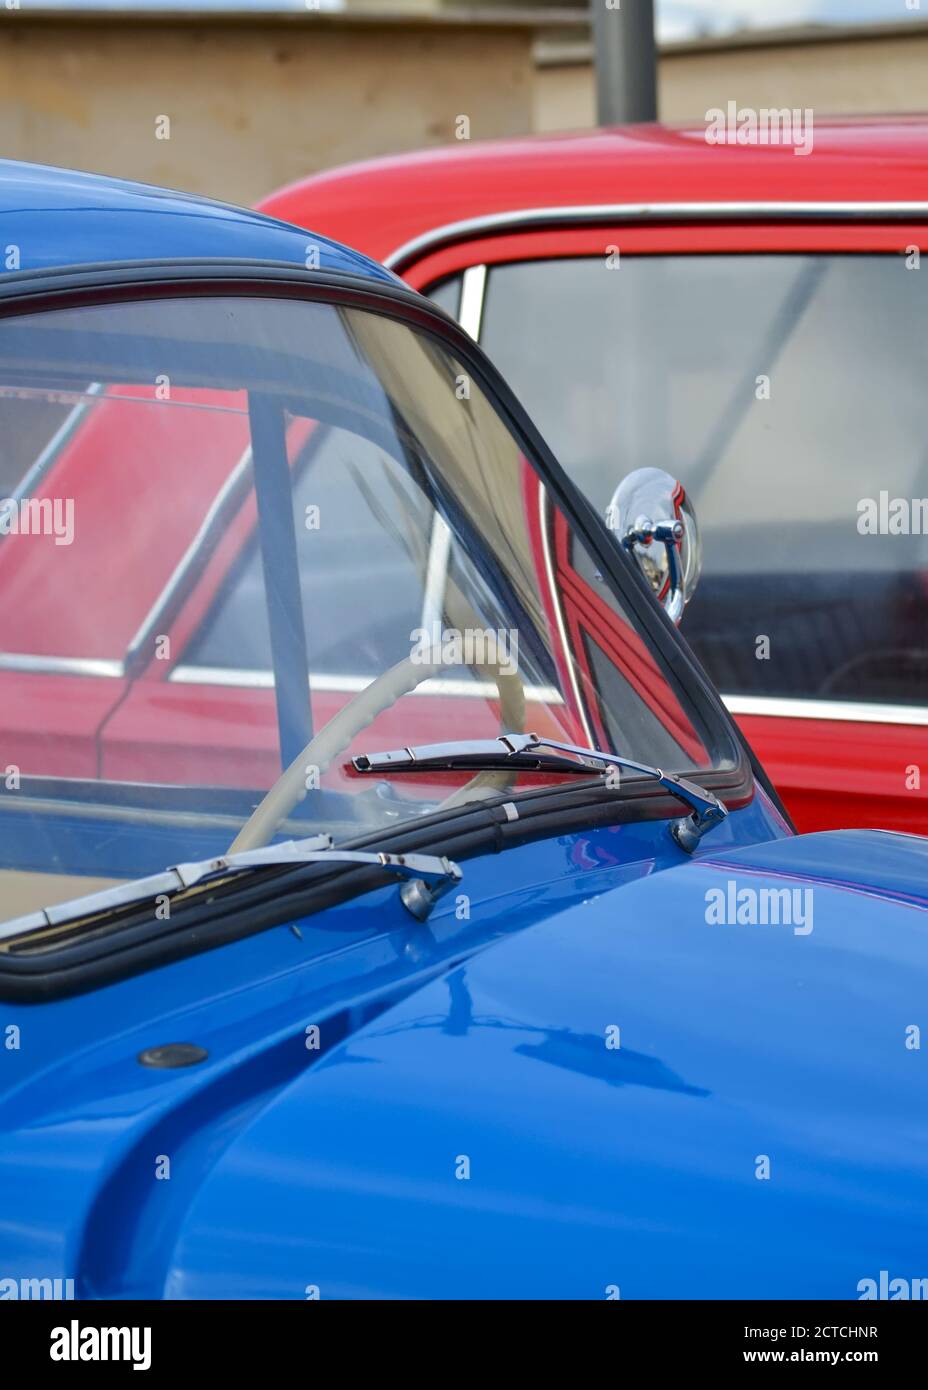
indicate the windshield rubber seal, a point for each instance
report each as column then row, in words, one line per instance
column 105, row 952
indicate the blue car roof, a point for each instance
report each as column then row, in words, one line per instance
column 63, row 217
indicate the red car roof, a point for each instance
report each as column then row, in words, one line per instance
column 380, row 204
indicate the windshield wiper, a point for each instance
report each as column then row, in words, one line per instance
column 427, row 877
column 529, row 753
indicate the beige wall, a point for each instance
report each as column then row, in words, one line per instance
column 834, row 78
column 251, row 106
column 886, row 72
column 256, row 103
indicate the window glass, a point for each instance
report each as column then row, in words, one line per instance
column 447, row 294
column 351, row 499
column 787, row 394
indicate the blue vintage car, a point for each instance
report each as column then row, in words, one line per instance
column 355, row 943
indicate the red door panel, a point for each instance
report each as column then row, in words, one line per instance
column 839, row 774
column 50, row 722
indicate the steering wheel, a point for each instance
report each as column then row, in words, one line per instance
column 333, row 740
column 878, row 657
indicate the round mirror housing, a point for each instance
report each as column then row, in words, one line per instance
column 653, row 519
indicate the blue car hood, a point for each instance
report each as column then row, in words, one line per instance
column 632, row 1095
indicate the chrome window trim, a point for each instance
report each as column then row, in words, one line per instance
column 470, row 312
column 436, row 573
column 834, row 711
column 250, row 679
column 537, row 219
column 61, row 665
column 551, row 575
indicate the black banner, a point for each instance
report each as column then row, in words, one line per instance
column 252, row 1339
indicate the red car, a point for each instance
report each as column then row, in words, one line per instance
column 755, row 324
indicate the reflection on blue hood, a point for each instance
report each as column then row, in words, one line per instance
column 760, row 1130
column 618, row 1092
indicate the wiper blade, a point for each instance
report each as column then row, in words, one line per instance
column 529, row 753
column 427, row 877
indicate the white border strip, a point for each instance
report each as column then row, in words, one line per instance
column 834, row 711
column 470, row 314
column 352, row 685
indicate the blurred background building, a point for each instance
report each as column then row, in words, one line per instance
column 235, row 97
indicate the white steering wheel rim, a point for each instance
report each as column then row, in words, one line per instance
column 338, row 734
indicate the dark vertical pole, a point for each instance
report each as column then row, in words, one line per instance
column 626, row 61
column 274, row 493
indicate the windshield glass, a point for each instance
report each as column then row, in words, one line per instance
column 239, row 532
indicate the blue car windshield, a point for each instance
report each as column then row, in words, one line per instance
column 236, row 531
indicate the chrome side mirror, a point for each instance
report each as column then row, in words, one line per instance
column 653, row 519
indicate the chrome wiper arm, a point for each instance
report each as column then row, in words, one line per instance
column 484, row 755
column 165, row 884
column 428, row 877
column 529, row 753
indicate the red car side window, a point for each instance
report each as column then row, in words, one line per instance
column 777, row 389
